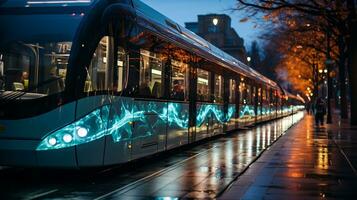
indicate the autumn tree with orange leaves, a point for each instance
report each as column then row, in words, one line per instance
column 309, row 32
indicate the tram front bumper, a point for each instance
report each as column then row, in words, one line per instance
column 23, row 153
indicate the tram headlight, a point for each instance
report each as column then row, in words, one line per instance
column 52, row 141
column 87, row 129
column 82, row 132
column 67, row 138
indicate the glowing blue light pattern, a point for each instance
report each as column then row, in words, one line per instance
column 247, row 110
column 116, row 121
column 231, row 111
column 205, row 110
column 217, row 111
column 176, row 117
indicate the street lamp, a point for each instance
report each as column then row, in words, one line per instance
column 215, row 21
column 249, row 58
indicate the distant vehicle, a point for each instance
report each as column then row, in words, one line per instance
column 100, row 82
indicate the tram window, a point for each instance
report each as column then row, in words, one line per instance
column 260, row 97
column 34, row 67
column 253, row 95
column 242, row 92
column 151, row 70
column 203, row 85
column 249, row 95
column 120, row 70
column 232, row 89
column 218, row 89
column 99, row 72
column 179, row 80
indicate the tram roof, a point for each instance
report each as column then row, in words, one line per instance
column 164, row 25
column 204, row 46
column 291, row 96
column 44, row 3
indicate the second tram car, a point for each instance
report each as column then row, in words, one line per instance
column 102, row 82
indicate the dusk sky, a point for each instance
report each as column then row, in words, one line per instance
column 183, row 11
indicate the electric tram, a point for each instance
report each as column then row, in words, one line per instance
column 88, row 83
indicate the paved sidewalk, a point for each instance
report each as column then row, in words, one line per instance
column 306, row 163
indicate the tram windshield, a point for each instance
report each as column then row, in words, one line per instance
column 34, row 52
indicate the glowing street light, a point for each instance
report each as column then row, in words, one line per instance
column 249, row 58
column 215, row 21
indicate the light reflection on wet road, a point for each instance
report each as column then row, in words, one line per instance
column 202, row 171
column 310, row 162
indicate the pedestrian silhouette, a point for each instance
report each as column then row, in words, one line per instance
column 320, row 111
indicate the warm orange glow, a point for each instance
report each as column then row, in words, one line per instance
column 296, row 175
column 322, row 158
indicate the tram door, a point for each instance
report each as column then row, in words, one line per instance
column 203, row 107
column 98, row 79
column 150, row 116
column 218, row 116
column 119, row 130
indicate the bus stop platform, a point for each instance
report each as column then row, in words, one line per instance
column 308, row 162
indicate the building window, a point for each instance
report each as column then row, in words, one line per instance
column 99, row 76
column 179, row 80
column 232, row 91
column 212, row 28
column 151, row 74
column 203, row 85
column 218, row 89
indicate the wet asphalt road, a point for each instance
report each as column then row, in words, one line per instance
column 200, row 171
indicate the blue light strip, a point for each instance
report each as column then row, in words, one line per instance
column 247, row 110
column 117, row 123
column 97, row 125
column 218, row 113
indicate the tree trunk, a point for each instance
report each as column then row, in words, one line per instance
column 342, row 78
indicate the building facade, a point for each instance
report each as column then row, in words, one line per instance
column 216, row 28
